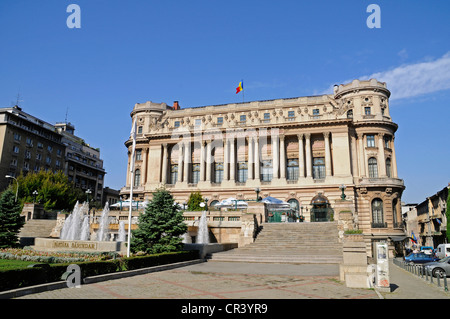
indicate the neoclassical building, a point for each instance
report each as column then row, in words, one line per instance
column 303, row 150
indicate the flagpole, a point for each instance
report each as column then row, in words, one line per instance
column 133, row 135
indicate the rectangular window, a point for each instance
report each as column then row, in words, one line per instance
column 40, row 145
column 29, row 142
column 48, row 160
column 242, row 171
column 16, row 149
column 291, row 115
column 387, row 142
column 316, row 111
column 27, row 154
column 292, row 169
column 138, row 155
column 195, row 173
column 139, row 130
column 38, row 156
column 220, row 120
column 266, row 171
column 198, row 122
column 49, row 148
column 17, row 137
column 243, row 118
column 218, row 172
column 176, row 124
column 266, row 117
column 367, row 110
column 318, row 168
column 370, row 140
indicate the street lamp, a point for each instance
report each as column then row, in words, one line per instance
column 35, row 193
column 17, row 188
column 257, row 190
column 87, row 195
column 342, row 188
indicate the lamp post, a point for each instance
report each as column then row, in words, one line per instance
column 17, row 188
column 342, row 188
column 35, row 193
column 257, row 190
column 87, row 195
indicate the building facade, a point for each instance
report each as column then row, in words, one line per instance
column 29, row 144
column 305, row 150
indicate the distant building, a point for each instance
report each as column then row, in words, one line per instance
column 432, row 220
column 29, row 144
column 83, row 164
column 111, row 196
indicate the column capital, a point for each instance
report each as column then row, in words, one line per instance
column 326, row 134
column 300, row 136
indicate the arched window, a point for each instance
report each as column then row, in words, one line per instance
column 294, row 204
column 388, row 167
column 373, row 169
column 213, row 204
column 137, row 178
column 350, row 114
column 377, row 214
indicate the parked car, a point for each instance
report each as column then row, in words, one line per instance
column 439, row 268
column 420, row 258
column 427, row 250
column 443, row 250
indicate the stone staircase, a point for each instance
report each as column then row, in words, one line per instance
column 315, row 243
column 36, row 228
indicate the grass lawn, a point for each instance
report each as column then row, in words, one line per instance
column 13, row 264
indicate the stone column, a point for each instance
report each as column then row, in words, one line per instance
column 180, row 161
column 187, row 154
column 250, row 156
column 327, row 154
column 144, row 151
column 232, row 160
column 381, row 157
column 202, row 160
column 164, row 164
column 301, row 159
column 394, row 160
column 208, row 161
column 354, row 158
column 257, row 164
column 308, row 155
column 282, row 157
column 361, row 157
column 275, row 154
column 226, row 160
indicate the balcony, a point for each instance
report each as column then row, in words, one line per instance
column 382, row 181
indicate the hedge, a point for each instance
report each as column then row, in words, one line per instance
column 24, row 277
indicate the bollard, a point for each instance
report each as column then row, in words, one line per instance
column 426, row 274
column 438, row 280
column 445, row 283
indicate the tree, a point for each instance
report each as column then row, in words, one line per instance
column 194, row 201
column 54, row 190
column 10, row 220
column 160, row 227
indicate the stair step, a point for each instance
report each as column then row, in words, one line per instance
column 289, row 243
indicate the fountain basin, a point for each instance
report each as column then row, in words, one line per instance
column 51, row 244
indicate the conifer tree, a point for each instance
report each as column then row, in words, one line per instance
column 160, row 227
column 10, row 220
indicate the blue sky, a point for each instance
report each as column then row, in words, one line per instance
column 196, row 52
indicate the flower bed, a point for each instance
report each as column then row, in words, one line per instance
column 54, row 257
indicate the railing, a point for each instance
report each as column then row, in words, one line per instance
column 421, row 272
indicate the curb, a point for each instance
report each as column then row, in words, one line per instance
column 19, row 292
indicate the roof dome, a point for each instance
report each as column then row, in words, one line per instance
column 319, row 199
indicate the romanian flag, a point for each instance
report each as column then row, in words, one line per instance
column 240, row 87
column 414, row 239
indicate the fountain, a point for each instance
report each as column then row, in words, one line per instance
column 122, row 232
column 203, row 231
column 75, row 233
column 103, row 231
